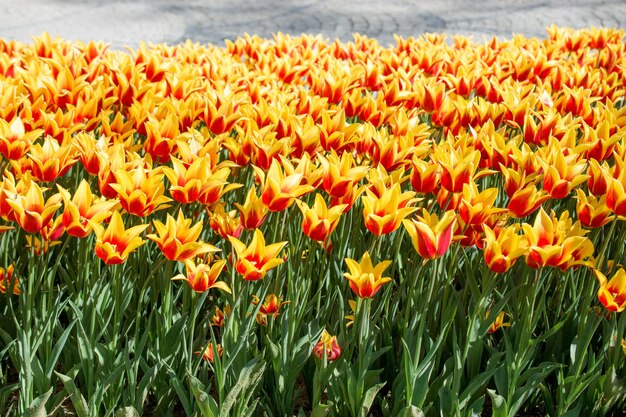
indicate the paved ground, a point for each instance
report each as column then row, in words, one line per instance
column 128, row 22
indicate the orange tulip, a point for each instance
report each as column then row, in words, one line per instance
column 561, row 173
column 270, row 307
column 616, row 192
column 526, row 200
column 178, row 240
column 431, row 237
column 50, row 161
column 475, row 207
column 319, row 221
column 457, row 167
column 340, row 173
column 114, row 244
column 327, row 347
column 14, row 140
column 424, row 178
column 202, row 277
column 384, row 214
column 160, row 136
column 612, row 293
column 83, row 207
column 30, row 209
column 252, row 212
column 140, row 191
column 280, row 191
column 6, row 279
column 591, row 211
column 87, row 147
column 186, row 182
column 9, row 189
column 365, row 278
column 556, row 242
column 503, row 247
column 599, row 177
column 209, row 352
column 219, row 317
column 224, row 223
column 256, row 259
column 498, row 323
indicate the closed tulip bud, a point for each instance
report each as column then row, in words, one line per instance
column 327, row 347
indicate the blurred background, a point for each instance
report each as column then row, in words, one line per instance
column 128, row 22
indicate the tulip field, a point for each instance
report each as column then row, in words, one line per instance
column 296, row 226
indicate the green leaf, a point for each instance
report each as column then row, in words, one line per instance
column 58, row 348
column 411, row 411
column 127, row 412
column 144, row 385
column 368, row 399
column 172, row 338
column 78, row 401
column 321, row 410
column 180, row 390
column 208, row 406
column 498, row 404
column 38, row 407
column 249, row 378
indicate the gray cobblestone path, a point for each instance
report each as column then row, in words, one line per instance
column 128, row 22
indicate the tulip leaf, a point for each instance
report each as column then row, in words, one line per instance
column 127, row 412
column 241, row 393
column 206, row 403
column 78, row 401
column 369, row 397
column 498, row 404
column 38, row 406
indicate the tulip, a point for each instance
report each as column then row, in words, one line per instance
column 556, row 242
column 612, row 293
column 178, row 240
column 327, row 347
column 431, row 236
column 424, row 176
column 280, row 190
column 591, row 211
column 220, row 315
column 341, row 173
column 256, row 259
column 201, row 277
column 366, row 279
column 503, row 248
column 114, row 244
column 50, row 161
column 140, row 191
column 526, row 200
column 252, row 212
column 31, row 211
column 498, row 323
column 475, row 207
column 456, row 169
column 83, row 207
column 6, row 279
column 14, row 140
column 384, row 214
column 319, row 221
column 224, row 223
column 209, row 353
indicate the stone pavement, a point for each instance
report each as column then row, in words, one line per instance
column 128, row 22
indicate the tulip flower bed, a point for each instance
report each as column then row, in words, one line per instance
column 295, row 227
